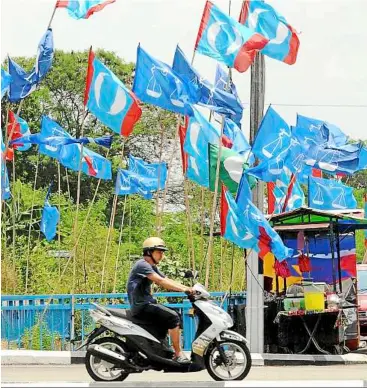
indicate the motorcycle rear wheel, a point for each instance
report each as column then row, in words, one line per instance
column 237, row 354
column 95, row 365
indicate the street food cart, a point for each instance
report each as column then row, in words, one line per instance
column 312, row 303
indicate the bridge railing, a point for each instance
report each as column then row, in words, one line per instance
column 45, row 322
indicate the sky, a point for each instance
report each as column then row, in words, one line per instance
column 328, row 81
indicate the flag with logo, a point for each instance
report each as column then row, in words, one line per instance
column 231, row 167
column 109, row 99
column 17, row 127
column 273, row 136
column 82, row 9
column 158, row 84
column 156, row 172
column 202, row 92
column 283, row 42
column 50, row 128
column 322, row 131
column 231, row 225
column 268, row 238
column 225, row 40
column 238, row 141
column 92, row 163
column 329, row 194
column 56, row 141
column 128, row 182
column 24, row 83
column 284, row 184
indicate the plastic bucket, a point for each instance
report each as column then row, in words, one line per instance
column 314, row 296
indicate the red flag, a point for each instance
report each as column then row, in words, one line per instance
column 271, row 197
column 304, row 263
column 182, row 134
column 282, row 269
column 264, row 243
column 223, row 210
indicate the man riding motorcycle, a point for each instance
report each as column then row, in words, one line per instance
column 143, row 305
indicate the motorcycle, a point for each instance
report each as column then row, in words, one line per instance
column 134, row 346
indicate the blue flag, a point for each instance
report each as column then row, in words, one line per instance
column 49, row 221
column 5, row 82
column 221, row 83
column 93, row 164
column 322, row 131
column 5, row 187
column 156, row 83
column 199, row 133
column 82, row 9
column 17, row 127
column 50, row 128
column 224, row 39
column 362, row 162
column 232, row 227
column 328, row 194
column 268, row 238
column 331, row 160
column 156, row 173
column 56, row 141
column 202, row 92
column 283, row 40
column 297, row 197
column 198, row 170
column 24, row 83
column 128, row 182
column 244, row 191
column 273, row 137
column 109, row 99
column 238, row 140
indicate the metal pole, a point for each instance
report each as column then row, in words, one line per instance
column 332, row 254
column 255, row 281
column 339, row 259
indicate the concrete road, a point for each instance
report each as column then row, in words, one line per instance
column 77, row 373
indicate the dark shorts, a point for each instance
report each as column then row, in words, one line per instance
column 158, row 314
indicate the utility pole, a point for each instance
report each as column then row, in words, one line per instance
column 255, row 281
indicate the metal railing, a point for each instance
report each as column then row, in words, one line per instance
column 67, row 317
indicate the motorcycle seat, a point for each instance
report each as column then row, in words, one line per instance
column 126, row 314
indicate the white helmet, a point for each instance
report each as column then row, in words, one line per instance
column 154, row 244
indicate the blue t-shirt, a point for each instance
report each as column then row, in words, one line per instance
column 139, row 286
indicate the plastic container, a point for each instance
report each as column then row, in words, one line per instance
column 314, row 296
column 294, row 304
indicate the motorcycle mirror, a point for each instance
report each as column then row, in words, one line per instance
column 189, row 274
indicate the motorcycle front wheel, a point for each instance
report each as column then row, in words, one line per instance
column 228, row 360
column 100, row 370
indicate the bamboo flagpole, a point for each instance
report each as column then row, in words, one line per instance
column 214, row 208
column 119, row 246
column 168, row 174
column 110, row 228
column 112, row 220
column 30, row 223
column 158, row 223
column 59, row 224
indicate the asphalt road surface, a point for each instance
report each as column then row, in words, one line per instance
column 77, row 373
